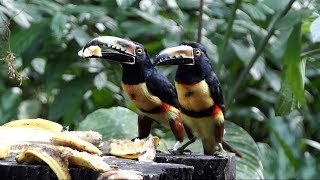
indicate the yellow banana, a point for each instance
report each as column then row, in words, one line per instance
column 4, row 150
column 35, row 124
column 63, row 139
column 86, row 160
column 57, row 161
column 92, row 137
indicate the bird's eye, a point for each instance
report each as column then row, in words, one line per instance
column 198, row 52
column 139, row 51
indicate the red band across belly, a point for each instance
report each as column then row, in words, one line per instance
column 211, row 111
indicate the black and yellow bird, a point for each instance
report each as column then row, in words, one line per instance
column 150, row 91
column 199, row 93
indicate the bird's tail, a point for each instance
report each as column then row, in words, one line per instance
column 229, row 148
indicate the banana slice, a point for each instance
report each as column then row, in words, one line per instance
column 74, row 143
column 4, row 150
column 92, row 50
column 42, row 124
column 56, row 160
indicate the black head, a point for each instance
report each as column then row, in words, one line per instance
column 115, row 49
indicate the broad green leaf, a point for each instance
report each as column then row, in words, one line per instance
column 285, row 102
column 315, row 30
column 268, row 159
column 103, row 98
column 29, row 109
column 22, row 39
column 276, row 4
column 80, row 35
column 243, row 51
column 284, row 139
column 112, row 123
column 69, row 98
column 9, row 102
column 293, row 18
column 123, row 4
column 249, row 166
column 294, row 66
column 58, row 24
column 254, row 12
column 84, row 9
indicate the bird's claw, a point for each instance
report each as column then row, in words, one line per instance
column 179, row 151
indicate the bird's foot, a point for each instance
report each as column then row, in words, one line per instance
column 179, row 151
column 220, row 151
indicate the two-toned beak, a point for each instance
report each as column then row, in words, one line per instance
column 178, row 55
column 110, row 47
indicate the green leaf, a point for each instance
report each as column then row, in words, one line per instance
column 123, row 4
column 285, row 102
column 84, row 9
column 29, row 109
column 293, row 18
column 9, row 102
column 58, row 23
column 294, row 71
column 249, row 166
column 115, row 122
column 23, row 39
column 80, row 35
column 276, row 4
column 269, row 159
column 254, row 12
column 69, row 98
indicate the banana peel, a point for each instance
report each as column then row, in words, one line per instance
column 57, row 161
column 141, row 149
column 58, row 158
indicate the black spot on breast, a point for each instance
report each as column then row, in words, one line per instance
column 132, row 96
column 188, row 93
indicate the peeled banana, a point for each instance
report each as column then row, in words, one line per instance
column 35, row 124
column 74, row 143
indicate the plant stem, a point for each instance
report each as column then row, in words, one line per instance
column 310, row 53
column 257, row 54
column 227, row 35
column 200, row 25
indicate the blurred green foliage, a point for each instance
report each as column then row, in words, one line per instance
column 276, row 101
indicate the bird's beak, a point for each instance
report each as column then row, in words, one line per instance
column 110, row 47
column 178, row 55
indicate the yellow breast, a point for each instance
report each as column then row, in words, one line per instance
column 141, row 97
column 195, row 97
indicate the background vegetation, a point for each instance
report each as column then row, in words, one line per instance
column 264, row 52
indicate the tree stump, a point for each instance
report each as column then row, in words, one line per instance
column 10, row 169
column 205, row 167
